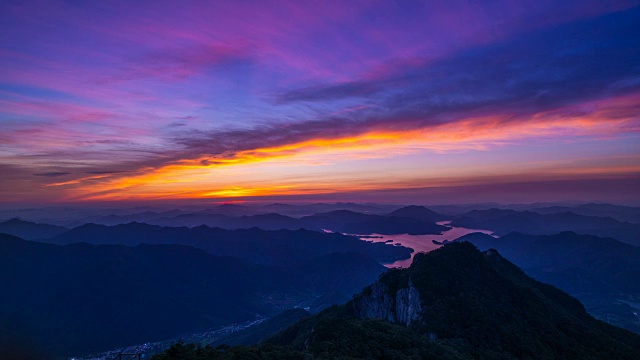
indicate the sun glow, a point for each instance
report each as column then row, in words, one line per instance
column 241, row 174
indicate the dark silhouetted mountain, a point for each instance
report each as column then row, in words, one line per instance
column 271, row 221
column 420, row 222
column 195, row 219
column 452, row 303
column 284, row 247
column 603, row 273
column 145, row 217
column 299, row 210
column 357, row 223
column 30, row 230
column 618, row 212
column 320, row 274
column 218, row 216
column 459, row 209
column 506, row 221
column 230, row 210
column 419, row 213
column 338, row 221
column 195, row 216
column 79, row 298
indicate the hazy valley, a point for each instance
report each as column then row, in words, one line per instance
column 89, row 288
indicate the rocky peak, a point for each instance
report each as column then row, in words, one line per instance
column 379, row 302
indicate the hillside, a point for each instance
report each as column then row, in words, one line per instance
column 278, row 247
column 453, row 303
column 358, row 223
column 30, row 230
column 601, row 272
column 618, row 212
column 503, row 222
column 83, row 298
column 418, row 212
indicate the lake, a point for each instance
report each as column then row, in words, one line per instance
column 422, row 243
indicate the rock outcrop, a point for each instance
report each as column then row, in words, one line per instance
column 402, row 307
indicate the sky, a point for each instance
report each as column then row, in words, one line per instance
column 390, row 101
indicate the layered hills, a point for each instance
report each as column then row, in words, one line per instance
column 453, row 303
column 504, row 221
column 81, row 298
column 255, row 245
column 602, row 273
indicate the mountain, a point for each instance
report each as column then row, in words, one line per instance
column 83, row 298
column 270, row 221
column 112, row 219
column 503, row 221
column 282, row 247
column 338, row 220
column 194, row 219
column 419, row 213
column 230, row 210
column 357, row 223
column 299, row 210
column 215, row 216
column 451, row 303
column 419, row 220
column 618, row 212
column 603, row 273
column 30, row 230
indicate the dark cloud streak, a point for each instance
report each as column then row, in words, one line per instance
column 52, row 174
column 542, row 71
column 106, row 172
column 530, row 73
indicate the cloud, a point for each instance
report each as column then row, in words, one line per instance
column 176, row 124
column 52, row 174
column 106, row 172
column 180, row 62
column 534, row 72
column 333, row 91
column 513, row 81
column 539, row 72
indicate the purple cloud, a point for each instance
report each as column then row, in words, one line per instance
column 53, row 174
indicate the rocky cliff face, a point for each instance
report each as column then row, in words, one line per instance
column 402, row 307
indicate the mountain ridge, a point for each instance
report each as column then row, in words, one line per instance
column 152, row 292
column 455, row 303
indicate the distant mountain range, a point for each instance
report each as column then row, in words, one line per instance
column 412, row 220
column 283, row 247
column 357, row 223
column 29, row 230
column 620, row 222
column 80, row 298
column 68, row 216
column 74, row 216
column 602, row 273
column 503, row 221
column 452, row 303
column 248, row 260
column 618, row 212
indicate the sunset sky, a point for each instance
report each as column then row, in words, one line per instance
column 392, row 101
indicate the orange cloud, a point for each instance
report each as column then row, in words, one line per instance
column 243, row 173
